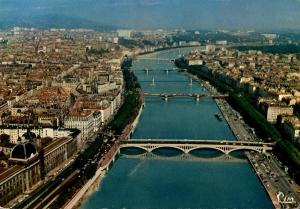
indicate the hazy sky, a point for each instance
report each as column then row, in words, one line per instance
column 201, row 14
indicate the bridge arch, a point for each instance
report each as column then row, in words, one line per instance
column 244, row 149
column 135, row 147
column 208, row 148
column 169, row 147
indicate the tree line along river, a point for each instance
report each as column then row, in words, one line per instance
column 167, row 179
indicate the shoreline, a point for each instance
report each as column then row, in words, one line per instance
column 94, row 183
column 91, row 186
column 130, row 128
column 271, row 195
column 81, row 196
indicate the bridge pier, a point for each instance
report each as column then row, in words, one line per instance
column 166, row 97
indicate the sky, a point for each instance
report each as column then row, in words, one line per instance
column 164, row 14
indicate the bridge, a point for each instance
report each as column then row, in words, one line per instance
column 154, row 58
column 147, row 70
column 187, row 146
column 166, row 96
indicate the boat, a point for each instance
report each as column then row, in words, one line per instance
column 218, row 116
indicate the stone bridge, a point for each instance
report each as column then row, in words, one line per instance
column 187, row 146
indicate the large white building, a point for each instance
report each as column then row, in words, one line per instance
column 124, row 33
column 272, row 111
column 86, row 121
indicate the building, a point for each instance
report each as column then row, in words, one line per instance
column 16, row 132
column 97, row 120
column 210, row 48
column 269, row 35
column 291, row 127
column 82, row 120
column 195, row 62
column 274, row 109
column 221, row 42
column 124, row 33
column 28, row 167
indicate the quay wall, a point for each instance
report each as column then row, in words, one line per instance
column 134, row 124
column 272, row 195
column 85, row 191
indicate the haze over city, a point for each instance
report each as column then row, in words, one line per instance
column 153, row 14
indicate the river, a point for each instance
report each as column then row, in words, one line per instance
column 204, row 179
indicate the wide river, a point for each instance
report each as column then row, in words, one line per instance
column 203, row 179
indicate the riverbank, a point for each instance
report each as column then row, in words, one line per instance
column 103, row 166
column 130, row 128
column 232, row 126
column 243, row 132
column 271, row 194
column 123, row 119
column 284, row 149
column 85, row 191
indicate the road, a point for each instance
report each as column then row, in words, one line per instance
column 268, row 167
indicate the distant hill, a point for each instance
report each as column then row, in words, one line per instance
column 53, row 21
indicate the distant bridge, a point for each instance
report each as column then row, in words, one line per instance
column 166, row 96
column 155, row 59
column 147, row 70
column 187, row 146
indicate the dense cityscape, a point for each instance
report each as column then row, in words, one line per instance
column 148, row 118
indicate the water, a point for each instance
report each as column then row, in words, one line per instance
column 166, row 179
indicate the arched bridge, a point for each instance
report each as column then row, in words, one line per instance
column 187, row 146
column 154, row 59
column 166, row 96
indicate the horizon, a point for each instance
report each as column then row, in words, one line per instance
column 258, row 15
